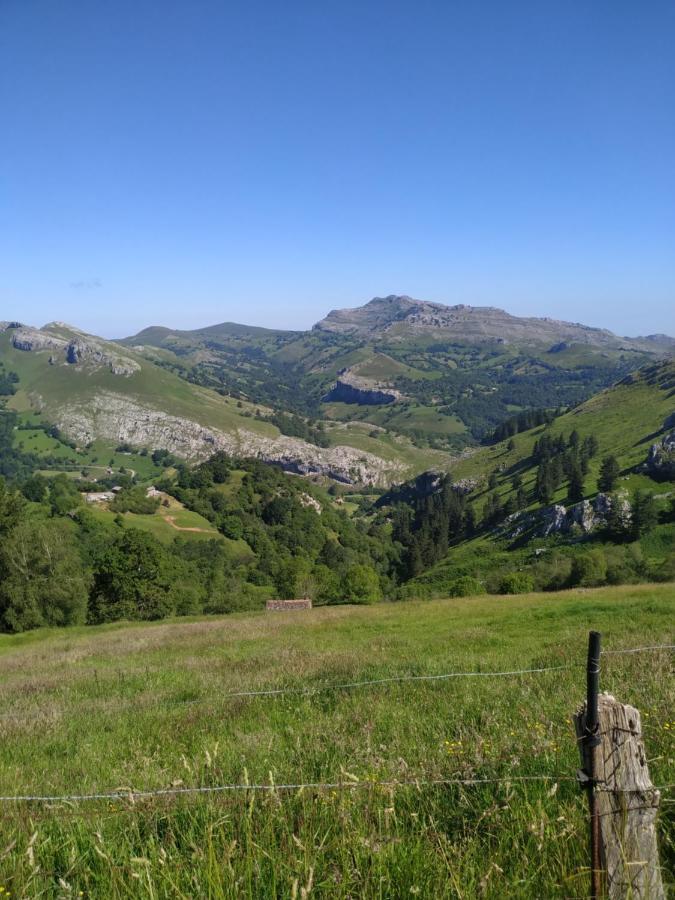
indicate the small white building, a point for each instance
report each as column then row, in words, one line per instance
column 99, row 497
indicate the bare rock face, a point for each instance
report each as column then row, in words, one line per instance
column 585, row 517
column 32, row 339
column 661, row 457
column 555, row 521
column 77, row 351
column 124, row 420
column 8, row 326
column 351, row 390
column 310, row 502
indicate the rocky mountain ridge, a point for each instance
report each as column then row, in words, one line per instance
column 403, row 315
column 71, row 346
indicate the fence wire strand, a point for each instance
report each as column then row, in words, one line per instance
column 243, row 787
column 129, row 794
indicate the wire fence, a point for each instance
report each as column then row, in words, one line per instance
column 132, row 795
column 394, row 679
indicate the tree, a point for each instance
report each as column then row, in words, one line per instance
column 469, row 520
column 589, row 569
column 575, row 488
column 545, row 484
column 644, row 513
column 44, row 581
column 609, row 474
column 292, row 578
column 493, row 481
column 35, row 488
column 516, row 583
column 11, row 508
column 130, row 579
column 492, row 511
column 361, row 585
column 64, row 496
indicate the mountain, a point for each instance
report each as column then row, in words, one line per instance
column 368, row 396
column 94, row 390
column 401, row 317
column 442, row 377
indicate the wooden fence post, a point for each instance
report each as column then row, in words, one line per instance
column 626, row 802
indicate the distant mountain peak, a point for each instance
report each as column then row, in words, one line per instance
column 396, row 317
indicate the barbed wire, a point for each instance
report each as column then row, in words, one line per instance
column 132, row 795
column 638, row 649
column 129, row 794
column 394, row 679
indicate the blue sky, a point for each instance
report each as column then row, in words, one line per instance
column 186, row 162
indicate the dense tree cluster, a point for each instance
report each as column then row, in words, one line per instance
column 530, row 418
column 429, row 525
column 562, row 459
column 302, row 546
column 8, row 382
column 297, row 426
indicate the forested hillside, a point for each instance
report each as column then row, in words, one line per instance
column 582, row 498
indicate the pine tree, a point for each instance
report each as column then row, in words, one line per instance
column 469, row 520
column 609, row 473
column 492, row 512
column 575, row 489
column 644, row 513
column 545, row 487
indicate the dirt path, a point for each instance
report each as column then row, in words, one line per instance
column 172, row 522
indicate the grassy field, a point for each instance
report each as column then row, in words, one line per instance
column 146, row 706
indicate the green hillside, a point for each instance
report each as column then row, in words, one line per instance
column 624, row 419
column 129, row 707
column 149, row 406
column 511, row 527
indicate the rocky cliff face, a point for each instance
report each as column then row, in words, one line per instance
column 585, row 517
column 661, row 457
column 351, row 390
column 114, row 417
column 76, row 350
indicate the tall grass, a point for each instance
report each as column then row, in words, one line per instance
column 146, row 706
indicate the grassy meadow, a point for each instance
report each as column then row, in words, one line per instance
column 146, row 706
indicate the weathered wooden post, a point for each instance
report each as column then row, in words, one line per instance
column 623, row 803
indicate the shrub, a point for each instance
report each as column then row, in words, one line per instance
column 134, row 499
column 466, row 586
column 516, row 583
column 361, row 585
column 589, row 569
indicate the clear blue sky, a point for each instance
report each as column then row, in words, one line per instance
column 186, row 162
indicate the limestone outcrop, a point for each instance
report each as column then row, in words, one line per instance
column 660, row 462
column 75, row 351
column 584, row 517
column 125, row 420
column 349, row 391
